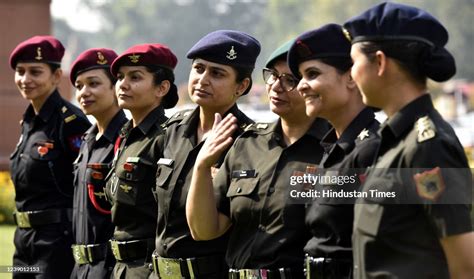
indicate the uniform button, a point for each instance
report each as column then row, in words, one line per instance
column 179, row 182
column 239, row 190
column 261, row 228
column 271, row 190
column 165, row 245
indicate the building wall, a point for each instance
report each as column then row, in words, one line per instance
column 19, row 20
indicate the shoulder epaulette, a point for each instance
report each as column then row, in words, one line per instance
column 256, row 127
column 177, row 117
column 67, row 114
column 425, row 128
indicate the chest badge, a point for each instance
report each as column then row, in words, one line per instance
column 44, row 148
column 126, row 188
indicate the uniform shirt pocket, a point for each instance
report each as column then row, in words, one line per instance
column 132, row 176
column 163, row 172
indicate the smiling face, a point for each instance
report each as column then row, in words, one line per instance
column 323, row 88
column 35, row 81
column 95, row 92
column 214, row 86
column 284, row 103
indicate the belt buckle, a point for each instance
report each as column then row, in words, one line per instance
column 22, row 220
column 114, row 246
column 169, row 268
column 251, row 274
column 79, row 253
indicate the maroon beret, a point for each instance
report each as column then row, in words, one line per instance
column 154, row 55
column 42, row 49
column 94, row 58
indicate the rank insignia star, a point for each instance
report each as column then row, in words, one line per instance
column 364, row 134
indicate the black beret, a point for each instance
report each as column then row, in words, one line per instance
column 41, row 49
column 94, row 58
column 279, row 53
column 150, row 55
column 328, row 41
column 227, row 47
column 396, row 22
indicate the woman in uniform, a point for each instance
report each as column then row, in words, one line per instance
column 221, row 70
column 267, row 229
column 395, row 49
column 41, row 165
column 92, row 227
column 145, row 87
column 322, row 58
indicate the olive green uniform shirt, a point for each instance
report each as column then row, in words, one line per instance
column 268, row 229
column 422, row 162
column 132, row 179
column 173, row 177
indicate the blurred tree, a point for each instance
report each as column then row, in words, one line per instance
column 180, row 23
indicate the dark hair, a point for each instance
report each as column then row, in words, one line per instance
column 243, row 73
column 342, row 64
column 159, row 75
column 53, row 66
column 409, row 55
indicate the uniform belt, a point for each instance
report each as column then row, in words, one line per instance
column 132, row 249
column 327, row 268
column 170, row 268
column 90, row 253
column 280, row 273
column 31, row 219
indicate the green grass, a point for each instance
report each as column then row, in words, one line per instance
column 6, row 248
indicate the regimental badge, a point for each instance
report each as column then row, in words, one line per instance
column 101, row 59
column 364, row 134
column 426, row 129
column 134, row 58
column 429, row 184
column 38, row 54
column 347, row 34
column 231, row 54
column 64, row 109
column 126, row 188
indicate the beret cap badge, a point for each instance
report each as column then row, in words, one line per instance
column 231, row 54
column 38, row 54
column 101, row 59
column 347, row 34
column 134, row 58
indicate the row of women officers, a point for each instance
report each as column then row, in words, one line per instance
column 208, row 193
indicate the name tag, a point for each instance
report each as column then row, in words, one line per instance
column 165, row 161
column 244, row 173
